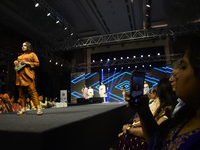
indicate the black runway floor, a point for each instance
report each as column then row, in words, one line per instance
column 85, row 127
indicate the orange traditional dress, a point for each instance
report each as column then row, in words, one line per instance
column 25, row 78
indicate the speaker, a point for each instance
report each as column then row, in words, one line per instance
column 97, row 99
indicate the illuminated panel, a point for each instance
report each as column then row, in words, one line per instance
column 90, row 75
column 78, row 79
column 76, row 94
column 162, row 70
column 126, row 84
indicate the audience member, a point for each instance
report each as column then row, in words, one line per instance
column 133, row 137
column 43, row 105
column 176, row 68
column 183, row 130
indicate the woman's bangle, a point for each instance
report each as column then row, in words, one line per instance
column 127, row 130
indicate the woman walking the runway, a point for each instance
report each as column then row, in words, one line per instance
column 25, row 77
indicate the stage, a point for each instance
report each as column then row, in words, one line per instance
column 81, row 127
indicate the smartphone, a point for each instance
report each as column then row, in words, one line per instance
column 137, row 85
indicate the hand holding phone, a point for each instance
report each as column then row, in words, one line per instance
column 137, row 85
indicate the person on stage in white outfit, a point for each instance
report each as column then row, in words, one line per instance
column 146, row 88
column 102, row 91
column 90, row 92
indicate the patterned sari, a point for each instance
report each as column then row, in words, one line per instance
column 131, row 142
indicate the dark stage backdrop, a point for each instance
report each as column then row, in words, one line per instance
column 114, row 81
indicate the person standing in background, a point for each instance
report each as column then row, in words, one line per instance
column 146, row 88
column 102, row 91
column 90, row 92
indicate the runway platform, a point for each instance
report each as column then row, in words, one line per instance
column 81, row 127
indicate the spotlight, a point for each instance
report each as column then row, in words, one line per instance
column 114, row 58
column 101, row 69
column 127, row 57
column 143, row 66
column 101, row 60
column 121, row 57
column 135, row 66
column 65, row 28
column 108, row 59
column 72, row 33
column 128, row 67
column 56, row 63
column 158, row 54
column 93, row 61
column 61, row 65
column 48, row 14
column 37, row 4
column 148, row 13
column 141, row 55
column 115, row 68
column 134, row 56
column 148, row 55
column 121, row 67
column 49, row 60
column 57, row 21
column 108, row 68
column 150, row 65
column 148, row 4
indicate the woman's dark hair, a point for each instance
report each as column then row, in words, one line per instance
column 166, row 95
column 29, row 47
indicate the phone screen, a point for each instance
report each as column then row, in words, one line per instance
column 137, row 85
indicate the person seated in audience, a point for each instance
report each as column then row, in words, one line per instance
column 43, row 105
column 16, row 106
column 7, row 104
column 54, row 101
column 176, row 68
column 1, row 107
column 182, row 132
column 28, row 104
column 133, row 137
column 50, row 103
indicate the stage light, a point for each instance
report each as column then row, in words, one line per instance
column 56, row 63
column 158, row 54
column 141, row 55
column 127, row 57
column 115, row 68
column 148, row 55
column 121, row 57
column 72, row 33
column 114, row 58
column 49, row 60
column 135, row 66
column 101, row 60
column 65, row 28
column 148, row 4
column 142, row 65
column 121, row 67
column 134, row 56
column 101, row 69
column 48, row 14
column 93, row 61
column 61, row 65
column 108, row 59
column 108, row 68
column 128, row 67
column 57, row 21
column 37, row 4
column 149, row 65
